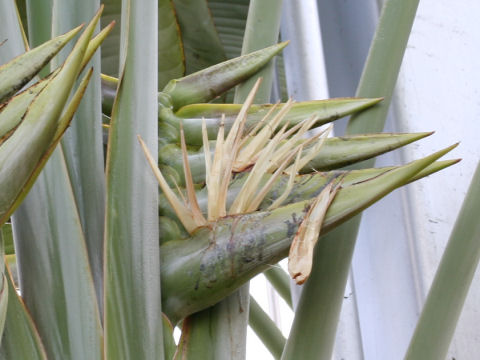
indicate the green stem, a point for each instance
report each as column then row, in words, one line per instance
column 331, row 253
column 281, row 282
column 383, row 64
column 209, row 252
column 266, row 329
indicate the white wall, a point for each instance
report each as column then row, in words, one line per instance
column 402, row 237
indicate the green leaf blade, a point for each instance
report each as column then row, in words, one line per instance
column 447, row 294
column 133, row 325
column 54, row 271
column 230, row 17
column 201, row 42
column 171, row 61
column 83, row 143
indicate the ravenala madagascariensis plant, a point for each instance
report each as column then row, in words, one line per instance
column 108, row 263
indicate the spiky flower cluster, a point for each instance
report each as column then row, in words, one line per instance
column 264, row 149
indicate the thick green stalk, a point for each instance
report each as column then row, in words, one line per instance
column 266, row 329
column 378, row 79
column 205, row 336
column 132, row 321
column 329, row 254
column 244, row 256
column 449, row 289
column 83, row 144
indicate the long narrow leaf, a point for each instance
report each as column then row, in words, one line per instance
column 170, row 49
column 262, row 29
column 230, row 17
column 133, row 325
column 447, row 294
column 171, row 61
column 111, row 46
column 63, row 123
column 11, row 38
column 201, row 42
column 12, row 113
column 83, row 144
column 39, row 17
column 54, row 271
